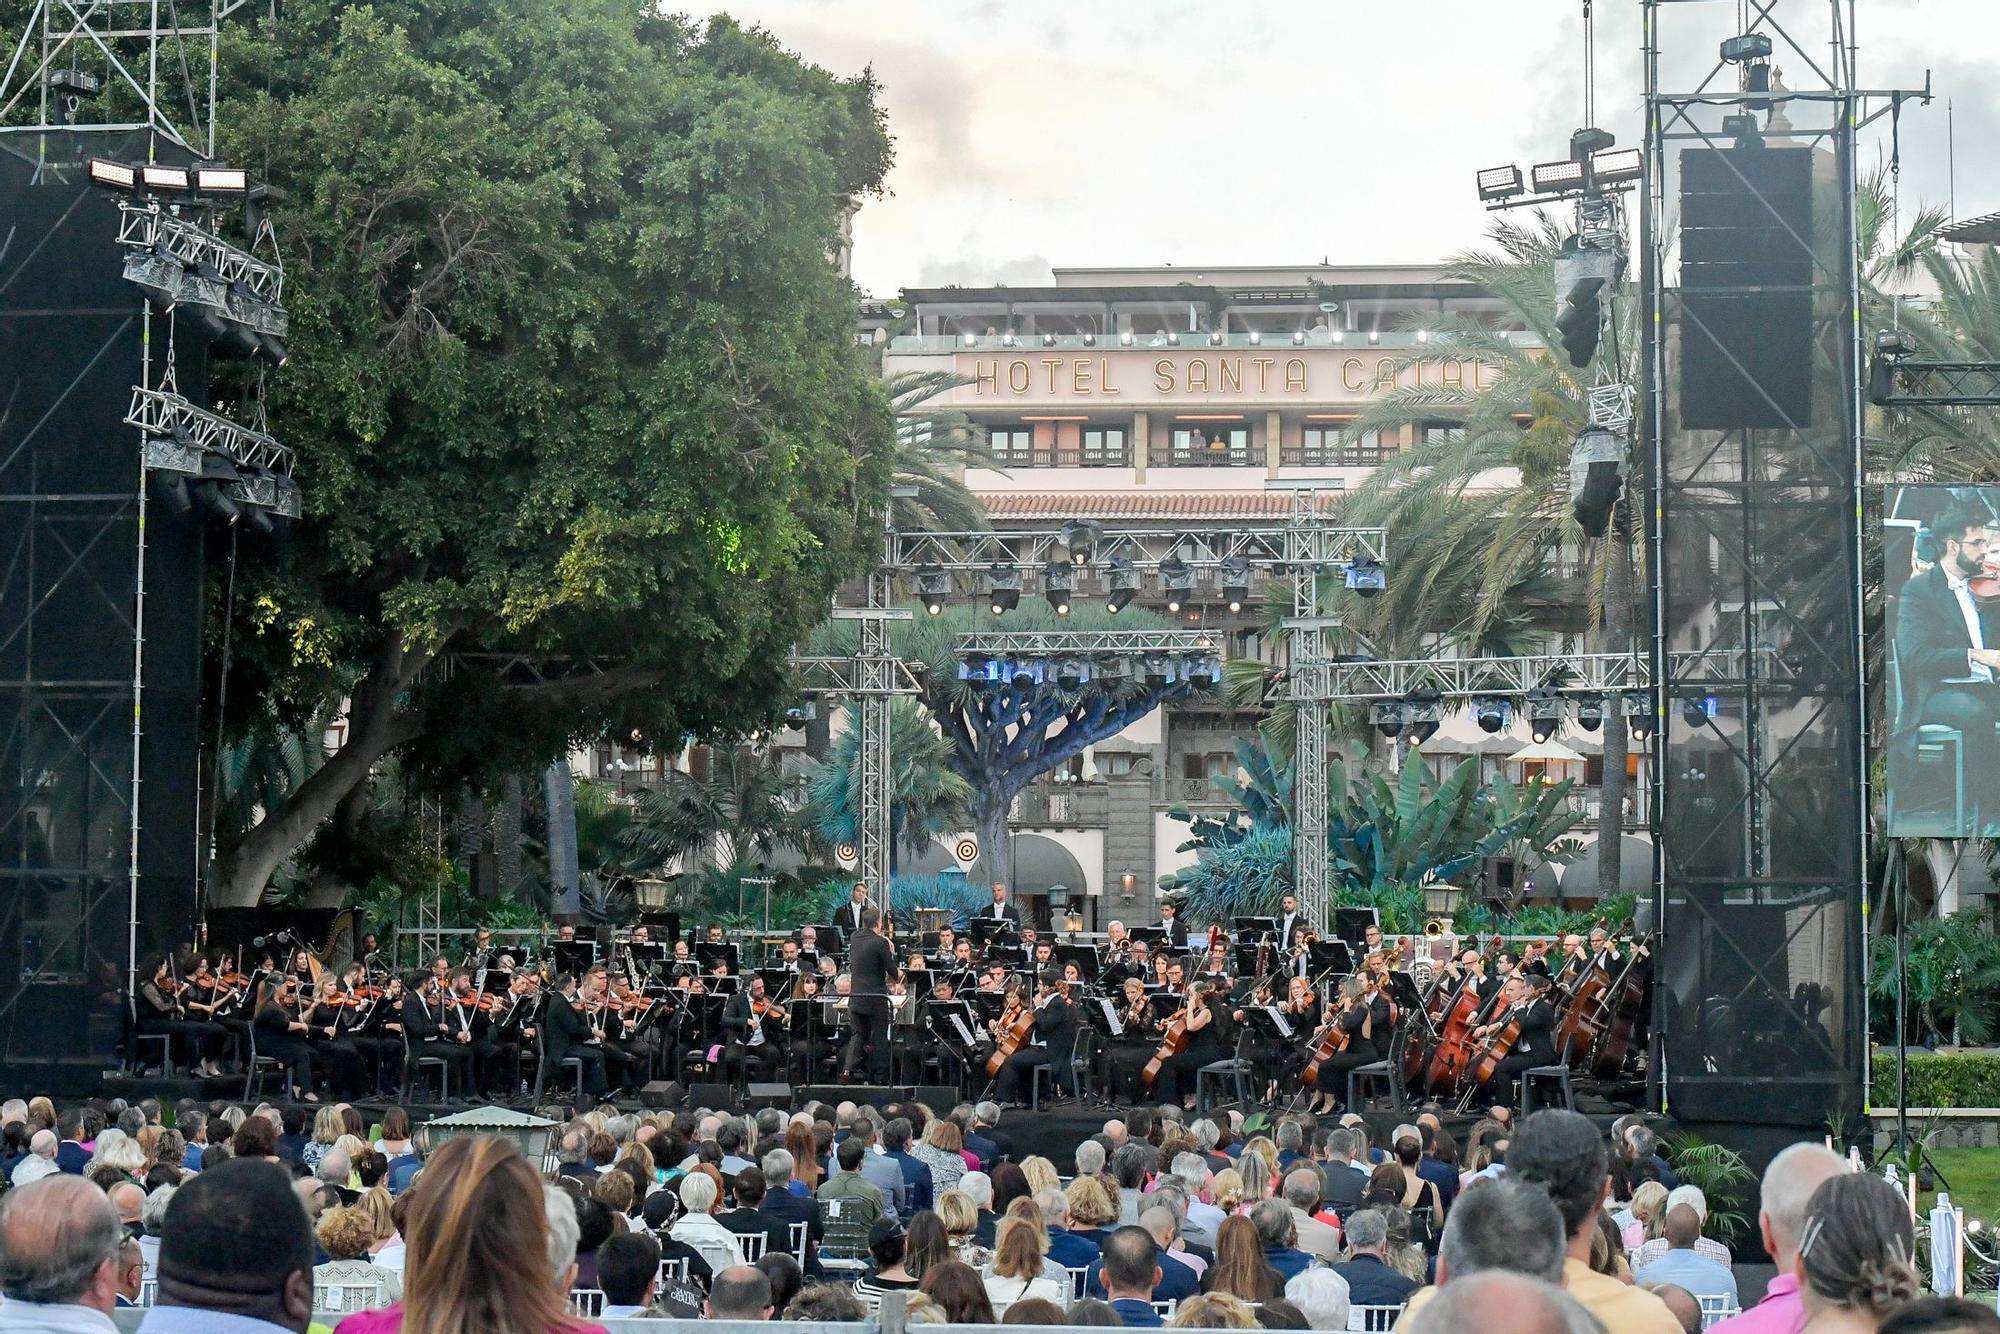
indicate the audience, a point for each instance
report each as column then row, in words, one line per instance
column 1499, row 1302
column 1131, row 1269
column 1682, row 1266
column 1322, row 1297
column 1788, row 1184
column 1016, row 1273
column 1370, row 1281
column 236, row 1244
column 1240, row 1267
column 628, row 1271
column 60, row 1243
column 957, row 1288
column 1856, row 1260
column 740, row 1293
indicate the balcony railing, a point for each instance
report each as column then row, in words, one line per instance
column 1029, row 343
column 1203, row 456
column 1120, row 457
column 1061, row 806
column 1340, row 456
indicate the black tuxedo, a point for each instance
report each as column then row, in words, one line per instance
column 1288, row 925
column 566, row 1033
column 433, row 1032
column 1005, row 912
column 870, row 960
column 739, row 1056
column 1055, row 1028
column 1932, row 644
column 848, row 919
column 1535, row 1046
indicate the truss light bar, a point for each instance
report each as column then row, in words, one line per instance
column 219, row 180
column 1058, row 582
column 159, row 178
column 1176, row 581
column 1003, row 583
column 1556, row 176
column 1545, row 714
column 113, row 175
column 1124, row 585
column 933, row 586
column 1235, row 579
column 1367, row 577
column 1500, row 182
column 1081, row 537
column 1617, row 164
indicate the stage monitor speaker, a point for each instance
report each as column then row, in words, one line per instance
column 715, row 1097
column 770, row 1095
column 872, row 1095
column 1746, row 288
column 662, row 1093
column 940, row 1098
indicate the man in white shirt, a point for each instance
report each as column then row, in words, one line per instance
column 40, row 1162
column 1946, row 668
column 59, row 1239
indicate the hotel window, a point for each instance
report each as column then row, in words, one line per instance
column 1011, row 444
column 1216, row 445
column 1326, row 447
column 1443, row 432
column 1104, row 447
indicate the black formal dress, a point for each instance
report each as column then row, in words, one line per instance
column 1126, row 1055
column 275, row 1039
column 1176, row 1080
column 196, row 1038
column 335, row 1049
column 870, row 960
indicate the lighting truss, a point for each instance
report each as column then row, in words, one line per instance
column 146, row 227
column 1263, row 546
column 178, row 433
column 1904, row 382
column 1081, row 643
column 1571, row 674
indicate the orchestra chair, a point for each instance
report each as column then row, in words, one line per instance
column 1716, row 1309
column 136, row 1066
column 257, row 1067
column 413, row 1069
column 1559, row 1074
column 574, row 1063
column 1933, row 741
column 1374, row 1080
column 1230, row 1074
column 1061, row 1078
column 1372, row 1319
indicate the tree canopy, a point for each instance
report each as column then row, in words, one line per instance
column 585, row 437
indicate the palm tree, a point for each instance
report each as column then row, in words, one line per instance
column 927, row 798
column 747, row 804
column 934, row 446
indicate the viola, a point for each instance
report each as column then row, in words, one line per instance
column 1986, row 587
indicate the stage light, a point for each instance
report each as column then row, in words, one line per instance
column 1048, row 340
column 1895, row 343
column 1201, row 673
column 976, row 670
column 1256, row 339
column 1090, row 340
column 1124, row 585
column 1490, row 712
column 1159, row 669
column 1366, row 576
column 1173, row 338
column 171, row 490
column 158, row 177
column 1617, row 164
column 1127, row 338
column 1637, row 706
column 1298, row 338
column 1112, row 670
column 1176, row 581
column 1545, row 714
column 970, row 340
column 1374, row 336
column 1425, row 712
column 1080, row 537
column 211, row 486
column 220, row 180
column 1743, row 130
column 1596, row 478
column 1590, row 713
column 113, row 175
column 1340, row 335
column 1500, row 182
column 1746, row 47
column 1007, row 339
column 1387, row 715
column 1423, row 335
column 933, row 587
column 1215, row 338
column 1022, row 673
column 1694, row 711
column 1588, row 140
column 1058, row 580
column 1556, row 176
column 288, row 498
column 1234, row 574
column 1071, row 673
column 1003, row 583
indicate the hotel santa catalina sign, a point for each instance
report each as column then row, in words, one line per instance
column 1131, row 378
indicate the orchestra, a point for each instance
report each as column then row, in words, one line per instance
column 981, row 1003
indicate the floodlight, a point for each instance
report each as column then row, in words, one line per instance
column 1007, row 339
column 1235, row 578
column 1590, row 713
column 1058, row 580
column 158, row 176
column 1500, row 182
column 1159, row 669
column 1617, row 164
column 1004, row 583
column 1080, row 536
column 1071, row 672
column 1023, row 673
column 1388, row 715
column 1124, row 585
column 1176, row 581
column 1564, row 175
column 1695, row 710
column 1637, row 706
column 1490, row 712
column 1545, row 713
column 1127, row 338
column 1201, row 673
column 113, row 175
column 1298, row 338
column 1424, row 711
column 1746, row 47
column 211, row 487
column 1048, row 340
column 1367, row 577
column 219, row 180
column 933, row 587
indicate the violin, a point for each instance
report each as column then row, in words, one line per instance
column 467, row 998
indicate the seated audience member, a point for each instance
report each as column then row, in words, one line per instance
column 1034, row 1311
column 824, row 1303
column 1273, row 1220
column 490, row 1248
column 1500, row 1224
column 235, row 1244
column 1321, row 1296
column 1562, row 1152
column 1706, row 1247
column 1131, row 1267
column 1370, row 1280
column 1788, row 1183
column 1065, row 1247
column 786, row 1278
column 887, row 1248
column 1302, row 1192
column 1857, row 1252
column 1016, row 1271
column 1682, row 1266
column 697, row 1227
column 1686, row 1307
column 741, row 1293
column 1942, row 1315
column 60, row 1250
column 955, row 1286
column 345, row 1234
column 1499, row 1302
column 1214, row 1310
column 628, row 1270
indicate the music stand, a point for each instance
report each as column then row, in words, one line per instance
column 573, row 956
column 1351, row 924
column 1270, row 1022
column 1330, row 956
column 1013, row 957
column 832, row 940
column 1404, row 988
column 777, row 982
column 1083, row 956
column 706, row 954
column 917, row 982
column 992, row 930
column 1253, row 929
column 648, row 958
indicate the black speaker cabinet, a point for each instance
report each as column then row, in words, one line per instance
column 662, row 1093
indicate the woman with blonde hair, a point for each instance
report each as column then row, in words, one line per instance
column 116, row 1149
column 328, row 1126
column 1091, row 1209
column 1225, row 1190
column 481, row 1250
column 1213, row 1310
column 1647, row 1213
column 345, row 1234
column 1256, row 1168
column 1020, row 1251
column 960, row 1217
column 376, row 1206
column 1041, row 1174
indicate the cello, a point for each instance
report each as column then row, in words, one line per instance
column 1447, row 1061
column 1496, row 1051
column 1333, row 1037
column 1172, row 1043
column 1626, row 1007
column 1010, row 1031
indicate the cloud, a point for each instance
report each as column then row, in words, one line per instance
column 969, row 270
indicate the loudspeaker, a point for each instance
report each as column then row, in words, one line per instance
column 662, row 1093
column 715, row 1097
column 770, row 1095
column 940, row 1098
column 871, row 1095
column 1746, row 288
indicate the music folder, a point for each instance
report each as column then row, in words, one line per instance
column 1270, row 1021
column 1112, row 1026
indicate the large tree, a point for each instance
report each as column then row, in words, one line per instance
column 573, row 381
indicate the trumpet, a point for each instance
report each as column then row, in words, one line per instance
column 1434, row 928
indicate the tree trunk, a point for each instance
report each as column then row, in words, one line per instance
column 374, row 729
column 1616, row 637
column 989, row 820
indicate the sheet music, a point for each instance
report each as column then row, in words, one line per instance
column 964, row 1033
column 1279, row 1018
column 1110, row 1012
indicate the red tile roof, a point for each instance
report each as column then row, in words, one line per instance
column 1218, row 506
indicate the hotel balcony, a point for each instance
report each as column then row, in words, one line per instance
column 1046, row 805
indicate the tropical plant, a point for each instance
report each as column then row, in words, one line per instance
column 1480, row 917
column 1262, row 797
column 747, row 804
column 927, row 798
column 934, row 446
column 1952, row 974
column 1721, row 1175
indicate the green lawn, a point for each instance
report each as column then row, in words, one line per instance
column 1974, row 1175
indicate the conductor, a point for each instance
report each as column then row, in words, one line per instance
column 870, row 960
column 1948, row 671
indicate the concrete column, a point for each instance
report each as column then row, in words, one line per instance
column 1274, row 443
column 1140, row 434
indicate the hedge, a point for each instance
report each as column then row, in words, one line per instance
column 1939, row 1079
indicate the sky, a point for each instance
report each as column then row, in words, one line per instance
column 1032, row 133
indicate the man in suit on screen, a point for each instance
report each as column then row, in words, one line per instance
column 1949, row 675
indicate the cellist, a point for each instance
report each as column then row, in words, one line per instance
column 1176, row 1078
column 1357, row 1020
column 1053, row 1042
column 1535, row 1042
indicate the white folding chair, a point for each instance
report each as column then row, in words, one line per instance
column 586, row 1302
column 1079, row 1282
column 1372, row 1319
column 349, row 1296
column 149, row 1289
column 1166, row 1308
column 1716, row 1309
column 677, row 1270
column 799, row 1232
column 752, row 1244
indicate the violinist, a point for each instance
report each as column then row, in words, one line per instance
column 219, row 1000
column 470, row 1013
column 568, row 1031
column 1052, row 1044
column 1176, row 1080
column 514, row 1021
column 480, row 956
column 630, row 1046
column 1302, row 1008
column 160, row 1010
column 433, row 1030
column 1126, row 1055
column 326, row 1025
column 1523, row 1004
column 1535, row 958
column 377, row 1029
column 754, row 1026
column 283, row 1034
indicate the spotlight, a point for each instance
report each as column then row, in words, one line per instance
column 970, row 340
column 1048, row 340
column 1022, row 673
column 1080, row 536
column 1176, row 581
column 1127, row 338
column 1590, row 713
column 1090, row 340
column 1545, row 713
column 1124, row 585
column 1695, row 712
column 1071, row 673
column 1058, row 579
column 1388, row 717
column 1201, row 673
column 1550, row 177
column 1159, row 669
column 1743, row 130
column 1424, row 711
column 1500, row 182
column 977, row 670
column 1007, row 339
column 933, row 586
column 1004, row 583
column 1256, row 339
column 159, row 177
column 113, row 175
column 1747, row 47
column 171, row 490
column 1617, row 164
column 1235, row 578
column 1298, row 338
column 1637, row 706
column 1215, row 338
column 1112, row 671
column 212, row 485
column 1490, row 712
column 1367, row 577
column 219, row 180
